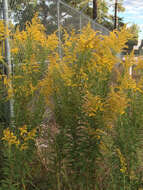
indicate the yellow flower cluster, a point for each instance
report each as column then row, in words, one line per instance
column 35, row 34
column 10, row 137
column 67, row 75
column 88, row 39
column 2, row 37
column 123, row 163
column 7, row 82
column 117, row 40
column 2, row 30
column 26, row 136
column 23, row 83
column 35, row 48
column 23, row 140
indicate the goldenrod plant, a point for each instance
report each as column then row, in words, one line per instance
column 86, row 97
column 19, row 151
column 30, row 50
column 96, row 105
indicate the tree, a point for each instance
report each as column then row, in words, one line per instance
column 24, row 11
column 95, row 9
column 115, row 16
column 134, row 30
column 118, row 8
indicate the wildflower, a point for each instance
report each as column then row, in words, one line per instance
column 2, row 30
column 14, row 50
column 23, row 130
column 123, row 168
column 10, row 138
column 30, row 135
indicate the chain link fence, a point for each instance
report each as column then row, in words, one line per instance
column 71, row 18
column 54, row 15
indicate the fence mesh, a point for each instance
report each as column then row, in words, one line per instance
column 54, row 15
column 71, row 18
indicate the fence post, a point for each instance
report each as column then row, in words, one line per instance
column 59, row 27
column 7, row 53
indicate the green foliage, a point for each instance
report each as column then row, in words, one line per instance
column 134, row 29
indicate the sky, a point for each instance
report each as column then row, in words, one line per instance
column 134, row 13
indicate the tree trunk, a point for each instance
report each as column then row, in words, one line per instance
column 115, row 16
column 94, row 9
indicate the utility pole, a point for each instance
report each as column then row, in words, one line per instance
column 115, row 15
column 94, row 9
column 7, row 54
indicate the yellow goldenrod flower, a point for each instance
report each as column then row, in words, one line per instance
column 9, row 137
column 14, row 50
column 123, row 168
column 23, row 130
column 30, row 135
column 2, row 30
